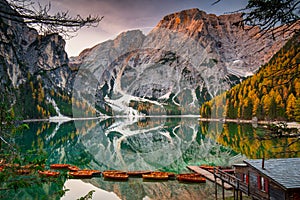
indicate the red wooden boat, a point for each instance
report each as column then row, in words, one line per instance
column 81, row 174
column 59, row 166
column 115, row 175
column 193, row 178
column 156, row 176
column 48, row 173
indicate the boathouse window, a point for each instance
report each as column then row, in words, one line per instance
column 262, row 181
column 262, row 184
column 245, row 178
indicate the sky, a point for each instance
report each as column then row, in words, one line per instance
column 123, row 15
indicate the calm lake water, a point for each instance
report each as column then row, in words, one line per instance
column 166, row 144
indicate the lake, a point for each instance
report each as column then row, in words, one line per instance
column 156, row 143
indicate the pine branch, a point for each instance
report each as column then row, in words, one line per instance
column 26, row 11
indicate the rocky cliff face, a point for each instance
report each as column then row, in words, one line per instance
column 26, row 56
column 26, row 51
column 15, row 39
column 239, row 51
column 189, row 57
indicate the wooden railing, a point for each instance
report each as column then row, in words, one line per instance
column 244, row 187
column 231, row 180
column 228, row 178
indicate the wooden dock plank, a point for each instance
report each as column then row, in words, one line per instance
column 209, row 176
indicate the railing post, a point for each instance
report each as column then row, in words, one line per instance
column 237, row 189
column 216, row 189
column 223, row 192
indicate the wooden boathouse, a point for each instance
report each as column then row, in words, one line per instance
column 272, row 179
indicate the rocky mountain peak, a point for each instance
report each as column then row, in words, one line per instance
column 101, row 55
column 238, row 51
column 194, row 20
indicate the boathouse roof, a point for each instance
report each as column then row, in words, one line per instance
column 283, row 171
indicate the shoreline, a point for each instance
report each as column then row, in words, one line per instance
column 261, row 122
column 222, row 120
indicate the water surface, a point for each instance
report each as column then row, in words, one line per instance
column 166, row 144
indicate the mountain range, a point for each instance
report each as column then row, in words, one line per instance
column 188, row 58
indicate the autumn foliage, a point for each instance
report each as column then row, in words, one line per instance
column 273, row 93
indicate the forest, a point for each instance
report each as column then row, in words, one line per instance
column 273, row 93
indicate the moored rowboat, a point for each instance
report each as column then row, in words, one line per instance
column 156, row 176
column 115, row 175
column 48, row 173
column 59, row 166
column 81, row 174
column 194, row 178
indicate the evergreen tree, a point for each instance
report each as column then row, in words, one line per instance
column 290, row 107
column 297, row 110
column 272, row 109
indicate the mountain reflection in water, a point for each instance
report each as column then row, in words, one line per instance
column 166, row 144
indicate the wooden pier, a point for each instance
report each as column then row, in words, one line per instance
column 209, row 176
column 225, row 180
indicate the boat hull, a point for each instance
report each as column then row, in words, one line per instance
column 59, row 166
column 156, row 176
column 48, row 173
column 191, row 178
column 81, row 174
column 115, row 176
